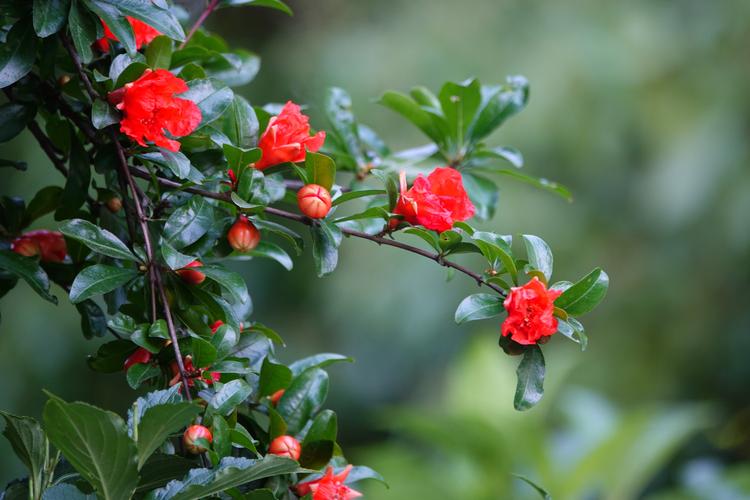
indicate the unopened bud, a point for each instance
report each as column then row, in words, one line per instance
column 276, row 396
column 191, row 276
column 285, row 446
column 243, row 236
column 114, row 204
column 140, row 356
column 314, row 201
column 63, row 80
column 193, row 434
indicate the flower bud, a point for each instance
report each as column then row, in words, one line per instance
column 28, row 247
column 314, row 201
column 243, row 236
column 276, row 396
column 216, row 325
column 191, row 276
column 63, row 80
column 114, row 204
column 140, row 356
column 285, row 446
column 194, row 433
column 49, row 245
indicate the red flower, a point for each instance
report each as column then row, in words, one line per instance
column 216, row 325
column 142, row 31
column 435, row 202
column 285, row 446
column 243, row 236
column 149, row 107
column 314, row 201
column 140, row 356
column 287, row 137
column 276, row 396
column 48, row 245
column 194, row 433
column 191, row 276
column 530, row 312
column 192, row 373
column 329, row 487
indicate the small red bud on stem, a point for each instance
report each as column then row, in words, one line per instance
column 314, row 201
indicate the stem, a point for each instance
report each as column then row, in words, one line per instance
column 349, row 232
column 201, row 19
column 93, row 94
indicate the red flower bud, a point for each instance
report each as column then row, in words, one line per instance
column 232, row 179
column 276, row 396
column 194, row 433
column 314, row 201
column 49, row 245
column 191, row 276
column 140, row 356
column 114, row 204
column 530, row 313
column 285, row 446
column 243, row 236
column 216, row 325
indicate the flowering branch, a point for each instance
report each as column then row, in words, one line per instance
column 310, row 222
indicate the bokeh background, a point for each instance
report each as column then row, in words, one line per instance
column 642, row 109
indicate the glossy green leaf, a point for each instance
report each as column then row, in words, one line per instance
column 318, row 361
column 273, row 4
column 479, row 306
column 111, row 356
column 539, row 254
column 274, row 252
column 77, row 185
column 158, row 423
column 204, row 352
column 159, row 52
column 17, row 53
column 499, row 103
column 44, row 202
column 235, row 68
column 238, row 158
column 483, row 193
column 97, row 239
column 229, row 280
column 584, row 295
column 542, row 492
column 115, row 21
column 189, row 222
column 353, row 195
column 211, row 96
column 140, row 373
column 572, row 329
column 459, row 102
column 93, row 319
column 96, row 444
column 161, row 469
column 149, row 400
column 103, row 115
column 273, row 377
column 99, row 279
column 82, row 25
column 230, row 395
column 320, row 170
column 173, row 258
column 326, row 238
column 224, row 340
column 49, row 16
column 320, row 441
column 160, row 19
column 13, row 119
column 303, row 398
column 540, row 183
column 530, row 372
column 29, row 270
column 413, row 112
column 30, row 445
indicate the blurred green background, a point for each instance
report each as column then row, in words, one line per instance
column 642, row 109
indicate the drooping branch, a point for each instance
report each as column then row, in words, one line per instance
column 138, row 172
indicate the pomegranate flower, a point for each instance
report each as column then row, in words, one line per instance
column 287, row 137
column 435, row 202
column 530, row 312
column 329, row 487
column 142, row 31
column 48, row 245
column 140, row 356
column 149, row 107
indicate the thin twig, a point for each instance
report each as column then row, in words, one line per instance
column 201, row 19
column 46, row 144
column 349, row 232
column 93, row 94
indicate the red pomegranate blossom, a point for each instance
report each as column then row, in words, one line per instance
column 140, row 357
column 285, row 446
column 530, row 312
column 48, row 245
column 142, row 31
column 329, row 487
column 287, row 138
column 435, row 202
column 149, row 107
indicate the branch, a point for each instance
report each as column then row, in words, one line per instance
column 310, row 222
column 93, row 94
column 201, row 19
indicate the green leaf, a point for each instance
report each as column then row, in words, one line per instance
column 29, row 270
column 49, row 16
column 428, row 236
column 542, row 492
column 572, row 329
column 93, row 320
column 496, row 249
column 13, row 119
column 129, row 74
column 159, row 52
column 176, row 162
column 161, row 469
column 235, row 68
column 99, row 279
column 111, row 356
column 273, row 251
column 530, row 372
column 338, row 108
column 82, row 25
column 97, row 239
column 479, row 306
column 30, row 444
column 326, row 238
column 17, row 53
column 160, row 19
column 239, row 158
column 139, row 373
column 303, row 398
column 103, row 115
column 320, row 170
column 173, row 258
column 499, row 103
column 319, row 443
column 224, row 340
column 96, row 444
column 204, row 352
column 239, row 123
column 584, row 295
column 231, row 472
column 273, row 377
column 541, row 183
column 76, row 187
column 115, row 21
column 229, row 396
column 229, row 280
column 189, row 223
column 273, row 4
column 353, row 195
column 459, row 102
column 483, row 193
column 211, row 96
column 158, row 423
column 318, row 361
column 413, row 112
column 539, row 253
column 44, row 202
column 154, row 398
